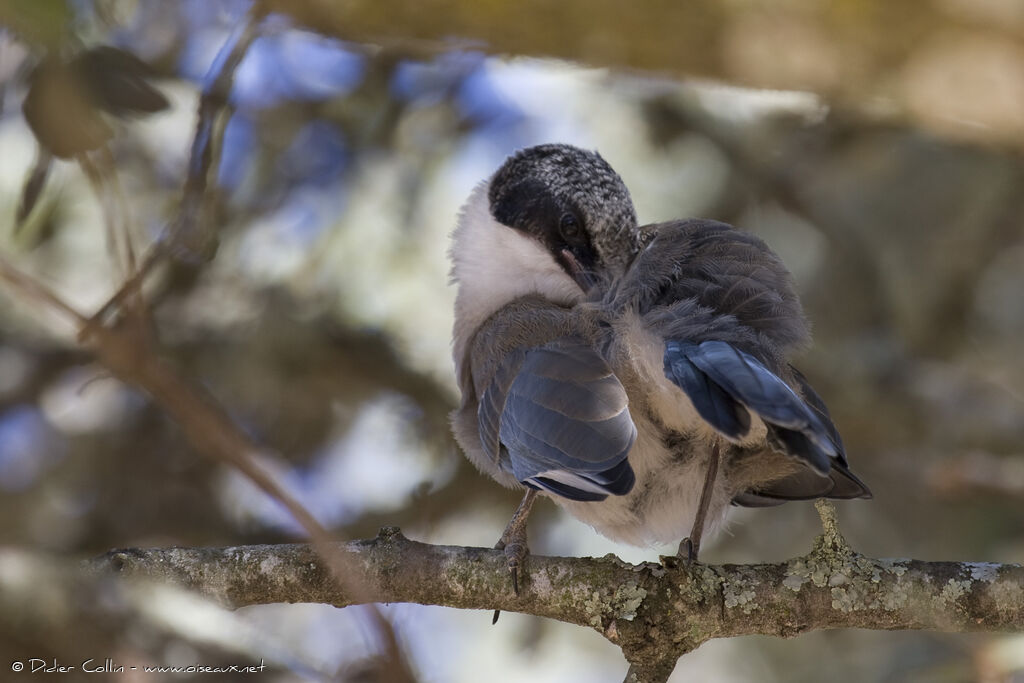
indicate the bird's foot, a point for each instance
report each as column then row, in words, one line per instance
column 688, row 549
column 513, row 542
column 516, row 551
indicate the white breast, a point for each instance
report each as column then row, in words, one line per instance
column 663, row 503
column 493, row 264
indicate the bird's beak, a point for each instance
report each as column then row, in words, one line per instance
column 585, row 278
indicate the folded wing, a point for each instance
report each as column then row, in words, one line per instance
column 558, row 419
column 726, row 385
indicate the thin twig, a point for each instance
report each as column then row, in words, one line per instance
column 205, row 149
column 116, row 247
column 182, row 236
column 33, row 289
column 119, row 201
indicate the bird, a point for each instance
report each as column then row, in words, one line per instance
column 638, row 376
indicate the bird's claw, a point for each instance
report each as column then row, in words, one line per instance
column 513, row 542
column 688, row 550
column 515, row 553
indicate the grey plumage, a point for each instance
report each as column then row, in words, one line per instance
column 538, row 185
column 605, row 363
column 704, row 285
column 554, row 415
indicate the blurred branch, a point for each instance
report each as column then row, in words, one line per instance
column 107, row 189
column 852, row 51
column 127, row 351
column 36, row 291
column 977, row 473
column 127, row 346
column 87, row 613
column 129, row 355
column 654, row 612
column 187, row 237
column 681, row 39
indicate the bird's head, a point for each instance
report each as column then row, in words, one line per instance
column 554, row 220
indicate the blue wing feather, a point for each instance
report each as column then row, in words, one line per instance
column 712, row 402
column 563, row 418
column 722, row 380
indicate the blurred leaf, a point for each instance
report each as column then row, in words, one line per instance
column 40, row 22
column 67, row 100
column 61, row 112
column 118, row 81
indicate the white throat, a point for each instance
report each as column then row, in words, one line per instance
column 493, row 265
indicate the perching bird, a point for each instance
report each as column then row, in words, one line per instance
column 638, row 376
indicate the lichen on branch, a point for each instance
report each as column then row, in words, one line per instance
column 654, row 611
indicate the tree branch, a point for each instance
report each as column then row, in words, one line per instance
column 654, row 612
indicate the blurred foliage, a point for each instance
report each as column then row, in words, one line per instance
column 955, row 66
column 893, row 194
column 45, row 24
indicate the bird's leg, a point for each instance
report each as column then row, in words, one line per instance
column 513, row 539
column 690, row 546
column 513, row 542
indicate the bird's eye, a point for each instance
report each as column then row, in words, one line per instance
column 569, row 226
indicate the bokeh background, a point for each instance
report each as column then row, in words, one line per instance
column 876, row 146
